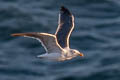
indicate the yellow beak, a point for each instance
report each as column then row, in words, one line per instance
column 81, row 54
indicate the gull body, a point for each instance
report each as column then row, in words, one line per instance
column 57, row 46
column 64, row 55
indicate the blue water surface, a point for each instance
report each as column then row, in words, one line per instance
column 96, row 34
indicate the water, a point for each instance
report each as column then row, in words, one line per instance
column 96, row 34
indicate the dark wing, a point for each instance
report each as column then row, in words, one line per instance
column 65, row 27
column 48, row 41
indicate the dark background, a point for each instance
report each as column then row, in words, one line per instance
column 96, row 34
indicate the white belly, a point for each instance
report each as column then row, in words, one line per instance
column 53, row 56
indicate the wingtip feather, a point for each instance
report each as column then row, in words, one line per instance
column 65, row 10
column 19, row 34
column 16, row 34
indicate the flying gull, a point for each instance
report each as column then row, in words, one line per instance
column 57, row 46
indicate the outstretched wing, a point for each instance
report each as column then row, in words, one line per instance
column 65, row 27
column 48, row 41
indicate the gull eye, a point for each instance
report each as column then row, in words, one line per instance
column 73, row 51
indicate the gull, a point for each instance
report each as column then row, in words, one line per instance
column 57, row 45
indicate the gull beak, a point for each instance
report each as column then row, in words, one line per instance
column 81, row 54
